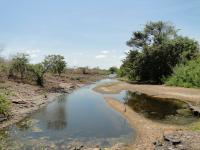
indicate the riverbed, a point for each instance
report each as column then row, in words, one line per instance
column 79, row 118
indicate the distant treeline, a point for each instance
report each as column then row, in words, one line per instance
column 20, row 67
column 159, row 54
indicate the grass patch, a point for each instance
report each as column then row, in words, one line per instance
column 195, row 126
column 4, row 104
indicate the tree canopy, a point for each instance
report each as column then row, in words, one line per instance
column 55, row 63
column 19, row 64
column 156, row 50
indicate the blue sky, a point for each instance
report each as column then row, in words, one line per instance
column 87, row 32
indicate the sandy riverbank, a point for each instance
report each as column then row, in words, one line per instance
column 148, row 131
column 187, row 94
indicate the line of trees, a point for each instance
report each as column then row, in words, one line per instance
column 20, row 66
column 155, row 51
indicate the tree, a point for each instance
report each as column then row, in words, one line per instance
column 113, row 70
column 19, row 64
column 55, row 63
column 154, row 33
column 156, row 51
column 129, row 65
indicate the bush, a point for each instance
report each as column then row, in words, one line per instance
column 4, row 105
column 4, row 67
column 187, row 75
column 37, row 72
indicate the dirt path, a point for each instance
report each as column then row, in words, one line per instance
column 162, row 91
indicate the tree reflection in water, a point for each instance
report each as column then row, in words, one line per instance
column 154, row 108
column 57, row 115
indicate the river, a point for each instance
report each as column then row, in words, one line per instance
column 79, row 118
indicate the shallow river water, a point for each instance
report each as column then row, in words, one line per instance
column 83, row 118
column 79, row 117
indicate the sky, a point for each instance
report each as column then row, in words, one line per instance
column 87, row 32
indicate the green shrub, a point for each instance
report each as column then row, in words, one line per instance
column 4, row 105
column 37, row 71
column 187, row 75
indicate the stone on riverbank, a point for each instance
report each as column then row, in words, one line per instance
column 179, row 141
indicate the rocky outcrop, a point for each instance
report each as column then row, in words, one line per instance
column 184, row 140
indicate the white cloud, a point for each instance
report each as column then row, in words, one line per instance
column 122, row 57
column 33, row 53
column 104, row 52
column 101, row 56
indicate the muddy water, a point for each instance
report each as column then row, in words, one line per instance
column 169, row 111
column 81, row 117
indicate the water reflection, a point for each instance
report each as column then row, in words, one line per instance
column 168, row 111
column 57, row 115
column 25, row 124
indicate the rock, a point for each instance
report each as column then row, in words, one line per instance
column 69, row 147
column 18, row 101
column 2, row 117
column 81, row 146
column 179, row 140
column 172, row 139
column 158, row 143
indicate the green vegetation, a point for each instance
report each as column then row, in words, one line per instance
column 194, row 126
column 4, row 104
column 186, row 75
column 55, row 63
column 156, row 50
column 37, row 72
column 4, row 69
column 113, row 70
column 19, row 65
